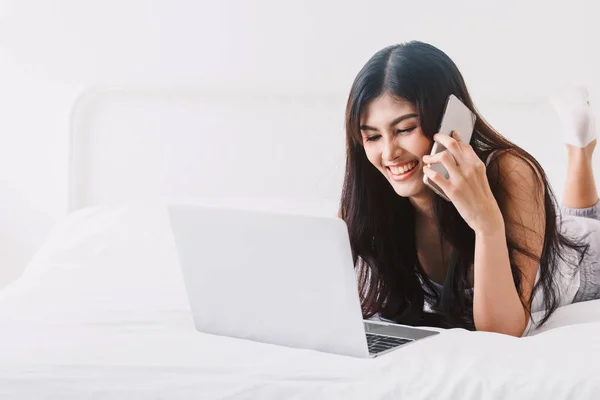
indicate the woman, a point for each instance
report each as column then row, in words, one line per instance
column 497, row 252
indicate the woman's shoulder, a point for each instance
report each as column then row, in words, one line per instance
column 518, row 184
column 513, row 168
column 505, row 157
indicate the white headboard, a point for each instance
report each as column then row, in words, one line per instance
column 145, row 143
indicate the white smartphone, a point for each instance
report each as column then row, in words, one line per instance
column 457, row 117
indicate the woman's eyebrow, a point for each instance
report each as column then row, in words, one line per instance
column 394, row 122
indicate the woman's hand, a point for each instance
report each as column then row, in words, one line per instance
column 467, row 186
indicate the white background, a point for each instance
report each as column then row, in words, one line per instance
column 51, row 51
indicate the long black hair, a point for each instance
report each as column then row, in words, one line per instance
column 382, row 224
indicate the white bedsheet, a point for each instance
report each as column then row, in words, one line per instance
column 101, row 313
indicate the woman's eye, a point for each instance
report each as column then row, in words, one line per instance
column 405, row 131
column 373, row 138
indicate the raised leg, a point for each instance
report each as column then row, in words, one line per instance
column 573, row 109
column 580, row 186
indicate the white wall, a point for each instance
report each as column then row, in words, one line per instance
column 51, row 51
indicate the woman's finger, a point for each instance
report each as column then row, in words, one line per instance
column 444, row 158
column 450, row 144
column 467, row 152
column 439, row 180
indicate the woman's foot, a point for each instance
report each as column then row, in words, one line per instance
column 574, row 111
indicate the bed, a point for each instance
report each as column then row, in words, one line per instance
column 101, row 310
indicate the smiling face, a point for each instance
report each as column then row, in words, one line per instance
column 395, row 144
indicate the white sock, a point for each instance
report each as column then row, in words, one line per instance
column 575, row 114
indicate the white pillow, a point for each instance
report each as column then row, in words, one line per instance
column 115, row 260
column 98, row 261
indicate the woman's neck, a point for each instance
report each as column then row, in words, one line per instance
column 423, row 204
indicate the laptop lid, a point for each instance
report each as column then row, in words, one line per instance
column 277, row 278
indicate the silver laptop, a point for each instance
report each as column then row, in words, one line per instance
column 279, row 278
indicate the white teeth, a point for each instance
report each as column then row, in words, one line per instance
column 397, row 170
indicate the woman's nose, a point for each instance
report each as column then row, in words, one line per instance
column 391, row 150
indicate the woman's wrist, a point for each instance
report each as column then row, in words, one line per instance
column 491, row 225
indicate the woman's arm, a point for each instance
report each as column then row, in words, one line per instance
column 497, row 306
